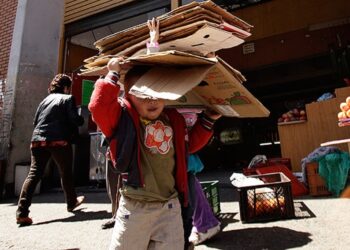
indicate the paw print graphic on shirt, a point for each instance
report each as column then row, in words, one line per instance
column 158, row 136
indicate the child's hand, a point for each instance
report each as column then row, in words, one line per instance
column 113, row 64
column 117, row 64
column 212, row 114
column 153, row 26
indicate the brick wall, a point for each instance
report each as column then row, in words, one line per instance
column 7, row 21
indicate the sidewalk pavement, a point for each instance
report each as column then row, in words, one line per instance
column 323, row 224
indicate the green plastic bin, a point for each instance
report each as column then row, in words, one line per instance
column 211, row 191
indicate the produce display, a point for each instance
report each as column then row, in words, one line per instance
column 345, row 109
column 344, row 114
column 292, row 115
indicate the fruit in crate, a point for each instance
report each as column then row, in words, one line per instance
column 266, row 203
column 302, row 118
column 292, row 115
column 344, row 106
column 296, row 112
column 347, row 100
column 344, row 113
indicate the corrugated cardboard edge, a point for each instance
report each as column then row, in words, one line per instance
column 169, row 83
column 264, row 111
column 214, row 7
column 175, row 14
column 194, row 99
column 170, row 57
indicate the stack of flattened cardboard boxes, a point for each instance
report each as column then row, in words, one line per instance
column 183, row 74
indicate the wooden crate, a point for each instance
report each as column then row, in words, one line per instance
column 317, row 185
column 295, row 143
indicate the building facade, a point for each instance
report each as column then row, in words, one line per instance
column 7, row 21
column 33, row 61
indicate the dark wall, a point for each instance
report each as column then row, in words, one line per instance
column 236, row 156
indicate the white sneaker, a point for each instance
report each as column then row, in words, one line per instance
column 198, row 237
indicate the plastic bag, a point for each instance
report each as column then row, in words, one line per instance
column 325, row 96
column 257, row 160
column 334, row 169
column 195, row 164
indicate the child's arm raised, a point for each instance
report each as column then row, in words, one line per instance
column 104, row 105
column 202, row 131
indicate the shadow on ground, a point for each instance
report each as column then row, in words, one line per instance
column 272, row 238
column 80, row 215
column 228, row 194
column 302, row 211
column 227, row 218
column 57, row 196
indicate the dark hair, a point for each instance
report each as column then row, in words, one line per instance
column 59, row 82
column 133, row 75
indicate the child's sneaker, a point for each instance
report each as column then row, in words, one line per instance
column 198, row 237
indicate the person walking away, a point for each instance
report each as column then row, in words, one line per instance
column 55, row 125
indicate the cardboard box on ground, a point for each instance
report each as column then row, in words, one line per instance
column 186, row 78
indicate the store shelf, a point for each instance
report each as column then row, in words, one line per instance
column 289, row 123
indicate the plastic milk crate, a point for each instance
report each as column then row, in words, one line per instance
column 211, row 191
column 269, row 201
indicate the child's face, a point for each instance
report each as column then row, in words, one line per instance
column 148, row 108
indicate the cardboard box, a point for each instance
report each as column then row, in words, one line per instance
column 201, row 38
column 202, row 82
column 199, row 28
column 188, row 80
column 180, row 16
column 208, row 38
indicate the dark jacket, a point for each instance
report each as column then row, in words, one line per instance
column 108, row 112
column 56, row 119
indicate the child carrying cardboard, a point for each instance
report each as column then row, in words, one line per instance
column 149, row 145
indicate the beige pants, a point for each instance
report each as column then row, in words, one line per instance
column 148, row 225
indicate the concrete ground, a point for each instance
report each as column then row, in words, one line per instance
column 321, row 223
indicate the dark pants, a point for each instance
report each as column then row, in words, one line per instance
column 112, row 184
column 187, row 212
column 39, row 158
